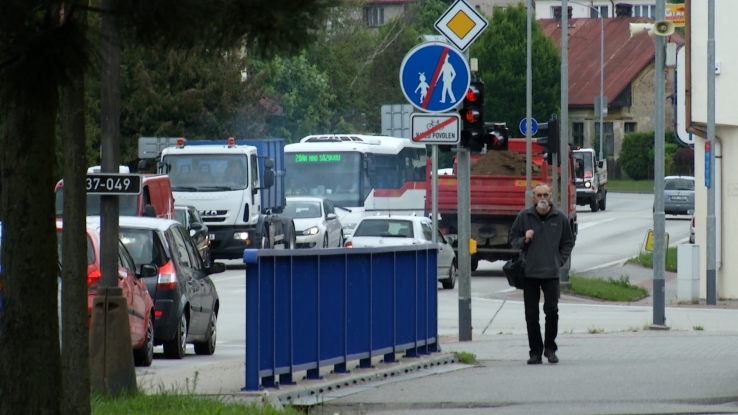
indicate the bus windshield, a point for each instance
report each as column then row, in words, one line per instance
column 207, row 172
column 334, row 175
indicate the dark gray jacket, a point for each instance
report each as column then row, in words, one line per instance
column 551, row 245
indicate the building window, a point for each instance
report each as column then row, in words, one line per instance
column 374, row 16
column 577, row 132
column 608, row 138
column 601, row 9
column 644, row 10
column 630, row 127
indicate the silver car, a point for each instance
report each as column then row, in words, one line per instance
column 678, row 195
column 376, row 231
column 316, row 222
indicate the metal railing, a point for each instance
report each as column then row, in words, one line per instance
column 307, row 309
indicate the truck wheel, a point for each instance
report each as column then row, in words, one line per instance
column 291, row 242
column 265, row 238
column 594, row 205
column 603, row 201
column 474, row 264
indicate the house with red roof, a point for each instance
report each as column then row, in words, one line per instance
column 628, row 79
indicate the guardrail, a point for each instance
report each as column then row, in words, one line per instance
column 306, row 309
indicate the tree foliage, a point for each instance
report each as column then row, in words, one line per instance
column 637, row 155
column 501, row 51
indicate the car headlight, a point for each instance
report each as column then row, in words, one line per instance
column 349, row 225
column 241, row 236
column 587, row 184
column 311, row 231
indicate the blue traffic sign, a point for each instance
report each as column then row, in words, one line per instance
column 434, row 77
column 533, row 126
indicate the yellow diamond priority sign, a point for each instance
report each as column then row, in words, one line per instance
column 461, row 24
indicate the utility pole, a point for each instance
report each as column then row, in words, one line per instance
column 564, row 125
column 463, row 174
column 659, row 249
column 528, row 110
column 711, row 221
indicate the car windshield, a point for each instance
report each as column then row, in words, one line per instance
column 179, row 216
column 583, row 165
column 679, row 184
column 394, row 228
column 302, row 209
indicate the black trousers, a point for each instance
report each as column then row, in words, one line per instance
column 532, row 297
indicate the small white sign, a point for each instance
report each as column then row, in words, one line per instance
column 435, row 128
column 461, row 24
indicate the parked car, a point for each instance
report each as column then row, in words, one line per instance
column 140, row 304
column 376, row 231
column 192, row 221
column 678, row 195
column 185, row 297
column 316, row 222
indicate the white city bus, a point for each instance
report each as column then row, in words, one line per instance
column 363, row 175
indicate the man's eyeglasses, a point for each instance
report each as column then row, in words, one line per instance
column 541, row 194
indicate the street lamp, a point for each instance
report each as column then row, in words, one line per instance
column 602, row 65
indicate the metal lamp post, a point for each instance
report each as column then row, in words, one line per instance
column 602, row 67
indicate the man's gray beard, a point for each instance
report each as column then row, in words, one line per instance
column 542, row 204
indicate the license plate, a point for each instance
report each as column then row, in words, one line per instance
column 678, row 198
column 212, row 236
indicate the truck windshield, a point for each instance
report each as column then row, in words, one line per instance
column 583, row 166
column 207, row 172
column 128, row 204
column 335, row 175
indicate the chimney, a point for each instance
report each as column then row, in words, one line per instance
column 623, row 10
column 557, row 12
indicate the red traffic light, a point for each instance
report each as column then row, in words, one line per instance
column 472, row 94
column 471, row 116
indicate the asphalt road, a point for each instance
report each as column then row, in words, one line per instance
column 604, row 237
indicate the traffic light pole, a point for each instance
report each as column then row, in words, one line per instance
column 464, row 225
column 434, row 192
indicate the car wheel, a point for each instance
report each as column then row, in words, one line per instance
column 450, row 283
column 594, row 206
column 208, row 346
column 175, row 348
column 341, row 240
column 602, row 203
column 145, row 355
column 325, row 241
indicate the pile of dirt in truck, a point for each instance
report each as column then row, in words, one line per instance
column 502, row 163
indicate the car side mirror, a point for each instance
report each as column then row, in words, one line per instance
column 195, row 226
column 149, row 211
column 331, row 216
column 215, row 268
column 601, row 164
column 147, row 270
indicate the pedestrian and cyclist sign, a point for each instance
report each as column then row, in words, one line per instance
column 434, row 77
column 435, row 128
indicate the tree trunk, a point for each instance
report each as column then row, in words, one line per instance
column 75, row 335
column 30, row 361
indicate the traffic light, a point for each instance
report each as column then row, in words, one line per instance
column 472, row 117
column 496, row 137
column 552, row 146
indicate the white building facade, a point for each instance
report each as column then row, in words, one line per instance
column 545, row 9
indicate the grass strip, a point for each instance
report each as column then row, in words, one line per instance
column 607, row 289
column 646, row 259
column 630, row 186
column 170, row 403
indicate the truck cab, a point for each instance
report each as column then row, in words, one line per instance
column 591, row 179
column 155, row 200
column 232, row 185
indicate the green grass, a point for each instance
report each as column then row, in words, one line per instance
column 646, row 259
column 468, row 358
column 634, row 186
column 607, row 289
column 170, row 403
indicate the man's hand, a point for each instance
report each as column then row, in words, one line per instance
column 528, row 235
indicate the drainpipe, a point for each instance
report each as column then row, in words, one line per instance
column 701, row 132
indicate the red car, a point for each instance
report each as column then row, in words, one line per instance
column 140, row 305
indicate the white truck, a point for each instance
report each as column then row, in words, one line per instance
column 591, row 179
column 234, row 186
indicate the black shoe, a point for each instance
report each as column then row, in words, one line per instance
column 551, row 355
column 535, row 360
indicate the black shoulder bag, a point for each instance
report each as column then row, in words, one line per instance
column 514, row 270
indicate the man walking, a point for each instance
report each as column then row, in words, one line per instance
column 543, row 233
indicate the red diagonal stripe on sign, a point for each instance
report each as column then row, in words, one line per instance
column 435, row 77
column 434, row 129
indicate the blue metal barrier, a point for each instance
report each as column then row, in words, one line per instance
column 306, row 309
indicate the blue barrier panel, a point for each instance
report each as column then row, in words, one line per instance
column 314, row 308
